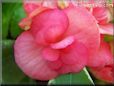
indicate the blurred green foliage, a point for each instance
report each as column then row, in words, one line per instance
column 108, row 38
column 11, row 73
column 12, row 14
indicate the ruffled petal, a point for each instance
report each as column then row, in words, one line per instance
column 49, row 26
column 73, row 68
column 101, row 14
column 64, row 43
column 29, row 59
column 74, row 58
column 102, row 57
column 107, row 29
column 76, row 53
column 105, row 74
column 55, row 65
column 84, row 26
column 50, row 54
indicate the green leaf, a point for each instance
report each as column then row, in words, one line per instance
column 108, row 38
column 12, row 14
column 11, row 74
column 18, row 14
column 80, row 78
column 6, row 12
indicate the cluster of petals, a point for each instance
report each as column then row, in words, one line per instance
column 62, row 38
column 104, row 68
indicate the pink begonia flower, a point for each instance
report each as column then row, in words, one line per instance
column 57, row 41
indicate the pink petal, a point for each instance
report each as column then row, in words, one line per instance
column 105, row 74
column 52, row 30
column 64, row 43
column 50, row 54
column 75, row 54
column 107, row 29
column 83, row 25
column 101, row 14
column 29, row 59
column 102, row 57
column 26, row 22
column 74, row 68
column 74, row 58
column 55, row 64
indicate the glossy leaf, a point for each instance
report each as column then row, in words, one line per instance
column 18, row 14
column 80, row 78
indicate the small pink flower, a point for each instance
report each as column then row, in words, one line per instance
column 57, row 41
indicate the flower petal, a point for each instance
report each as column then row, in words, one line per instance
column 101, row 14
column 52, row 30
column 105, row 74
column 50, row 54
column 29, row 59
column 74, row 58
column 83, row 25
column 102, row 57
column 73, row 68
column 75, row 54
column 107, row 29
column 55, row 64
column 64, row 43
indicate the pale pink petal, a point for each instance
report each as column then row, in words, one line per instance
column 64, row 43
column 76, row 53
column 49, row 26
column 107, row 29
column 84, row 26
column 50, row 54
column 102, row 57
column 29, row 59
